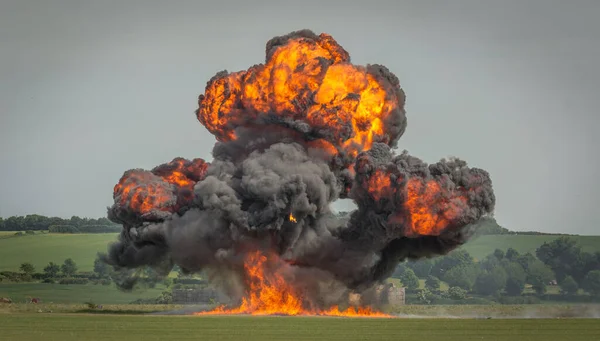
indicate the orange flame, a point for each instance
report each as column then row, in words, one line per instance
column 144, row 192
column 380, row 185
column 431, row 207
column 270, row 294
column 164, row 189
column 292, row 218
column 310, row 80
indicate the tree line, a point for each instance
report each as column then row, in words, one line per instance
column 503, row 276
column 36, row 222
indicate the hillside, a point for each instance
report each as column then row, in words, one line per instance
column 40, row 249
column 482, row 246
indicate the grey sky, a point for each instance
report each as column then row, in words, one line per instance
column 89, row 89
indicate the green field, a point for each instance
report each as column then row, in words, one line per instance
column 40, row 249
column 75, row 293
column 484, row 245
column 95, row 327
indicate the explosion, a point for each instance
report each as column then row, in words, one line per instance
column 295, row 134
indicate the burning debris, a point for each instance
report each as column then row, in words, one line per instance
column 295, row 134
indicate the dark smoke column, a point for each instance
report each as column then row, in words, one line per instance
column 295, row 134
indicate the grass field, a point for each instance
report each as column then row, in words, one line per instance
column 95, row 327
column 484, row 245
column 75, row 293
column 40, row 249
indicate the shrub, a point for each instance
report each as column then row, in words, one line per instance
column 99, row 228
column 568, row 286
column 410, row 280
column 86, row 274
column 63, row 229
column 457, row 293
column 48, row 280
column 39, row 276
column 71, row 280
column 591, row 283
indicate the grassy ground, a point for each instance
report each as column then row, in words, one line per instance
column 40, row 249
column 75, row 293
column 88, row 327
column 484, row 245
column 83, row 248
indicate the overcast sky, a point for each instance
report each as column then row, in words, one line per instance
column 89, row 89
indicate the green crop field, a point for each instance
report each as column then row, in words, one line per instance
column 40, row 249
column 111, row 327
column 484, row 245
column 75, row 293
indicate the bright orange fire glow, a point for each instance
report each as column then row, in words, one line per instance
column 293, row 219
column 143, row 192
column 270, row 294
column 432, row 207
column 380, row 185
column 162, row 188
column 308, row 80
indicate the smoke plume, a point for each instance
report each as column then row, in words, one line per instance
column 295, row 134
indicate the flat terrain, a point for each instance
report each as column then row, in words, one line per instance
column 75, row 293
column 40, row 249
column 120, row 327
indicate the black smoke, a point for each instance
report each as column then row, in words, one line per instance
column 254, row 183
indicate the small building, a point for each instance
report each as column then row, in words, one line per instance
column 384, row 294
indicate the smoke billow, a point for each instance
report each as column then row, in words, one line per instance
column 295, row 134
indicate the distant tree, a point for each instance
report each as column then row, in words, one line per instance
column 511, row 254
column 453, row 259
column 27, row 269
column 526, row 260
column 515, row 278
column 565, row 258
column 457, row 293
column 432, row 283
column 499, row 254
column 101, row 268
column 69, row 268
column 538, row 275
column 490, row 263
column 490, row 282
column 568, row 286
column 400, row 268
column 410, row 280
column 422, row 268
column 463, row 276
column 51, row 270
column 591, row 283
